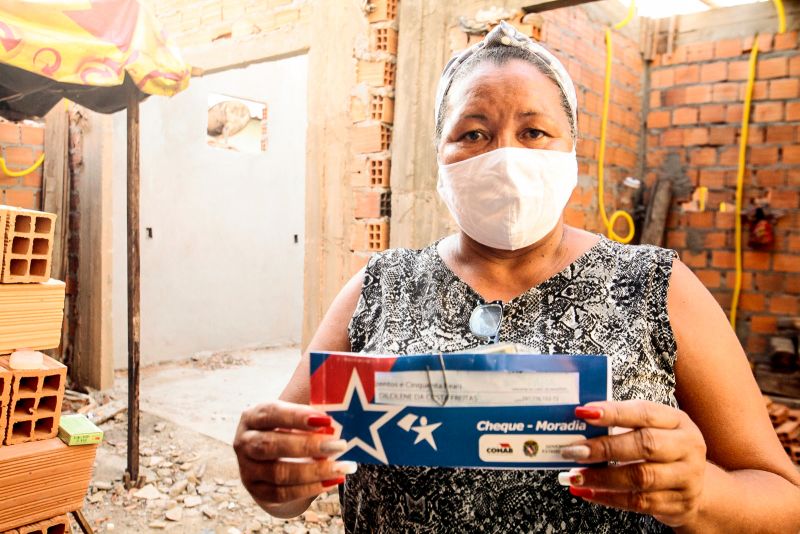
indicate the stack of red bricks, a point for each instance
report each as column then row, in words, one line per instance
column 695, row 113
column 372, row 111
column 41, row 479
column 786, row 422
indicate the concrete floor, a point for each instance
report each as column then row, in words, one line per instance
column 210, row 401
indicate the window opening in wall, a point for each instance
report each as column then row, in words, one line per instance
column 236, row 123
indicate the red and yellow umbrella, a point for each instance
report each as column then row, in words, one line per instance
column 91, row 42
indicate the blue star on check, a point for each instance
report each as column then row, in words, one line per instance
column 358, row 421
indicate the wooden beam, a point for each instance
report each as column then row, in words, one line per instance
column 728, row 23
column 547, row 5
column 55, row 189
column 134, row 297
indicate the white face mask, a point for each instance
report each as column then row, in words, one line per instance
column 511, row 197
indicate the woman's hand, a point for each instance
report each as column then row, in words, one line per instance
column 670, row 454
column 283, row 451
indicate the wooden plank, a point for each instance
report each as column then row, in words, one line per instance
column 730, row 22
column 91, row 364
column 56, row 184
column 785, row 384
column 134, row 294
column 547, row 5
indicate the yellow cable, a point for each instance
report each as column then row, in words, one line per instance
column 15, row 174
column 737, row 221
column 781, row 15
column 609, row 222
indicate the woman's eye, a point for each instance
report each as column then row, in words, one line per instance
column 473, row 135
column 533, row 133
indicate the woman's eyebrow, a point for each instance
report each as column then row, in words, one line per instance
column 532, row 113
column 477, row 116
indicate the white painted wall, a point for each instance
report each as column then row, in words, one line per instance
column 222, row 270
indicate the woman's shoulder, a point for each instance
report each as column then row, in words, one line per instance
column 402, row 259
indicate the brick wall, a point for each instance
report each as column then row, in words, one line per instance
column 695, row 113
column 372, row 112
column 576, row 37
column 21, row 144
column 193, row 22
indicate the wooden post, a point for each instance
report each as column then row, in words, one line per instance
column 132, row 473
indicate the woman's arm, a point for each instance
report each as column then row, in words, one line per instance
column 276, row 466
column 750, row 483
column 715, row 465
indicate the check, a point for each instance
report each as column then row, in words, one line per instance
column 488, row 410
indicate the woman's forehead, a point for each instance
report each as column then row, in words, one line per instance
column 517, row 84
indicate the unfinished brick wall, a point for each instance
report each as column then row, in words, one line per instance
column 194, row 22
column 576, row 37
column 372, row 111
column 695, row 115
column 21, row 144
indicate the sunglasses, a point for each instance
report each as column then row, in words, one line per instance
column 485, row 321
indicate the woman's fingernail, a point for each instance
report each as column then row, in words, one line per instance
column 319, row 420
column 585, row 412
column 576, row 452
column 333, row 482
column 324, row 430
column 573, row 477
column 332, row 446
column 581, row 492
column 345, row 468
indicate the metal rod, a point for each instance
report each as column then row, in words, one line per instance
column 132, row 472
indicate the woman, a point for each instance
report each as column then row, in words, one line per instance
column 704, row 455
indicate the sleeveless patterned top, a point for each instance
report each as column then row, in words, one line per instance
column 612, row 300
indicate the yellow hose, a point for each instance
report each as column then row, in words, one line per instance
column 737, row 221
column 609, row 222
column 15, row 174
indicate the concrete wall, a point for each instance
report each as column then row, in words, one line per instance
column 222, row 270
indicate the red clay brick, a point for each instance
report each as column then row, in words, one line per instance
column 22, row 198
column 676, row 239
column 703, row 157
column 672, row 138
column 695, row 136
column 709, row 178
column 746, row 281
column 768, row 112
column 733, row 113
column 722, row 135
column 780, row 133
column 722, row 259
column 366, row 204
column 725, row 92
column 753, row 302
column 32, row 135
column 784, row 89
column 662, row 78
column 9, row 133
column 716, row 240
column 789, row 200
column 686, row 74
column 658, row 119
column 793, row 111
column 714, row 72
column 770, row 282
column 701, row 219
column 764, row 43
column 710, row 279
column 764, row 324
column 712, row 113
column 694, row 259
column 19, row 155
column 794, row 66
column 786, row 41
column 784, row 304
column 770, row 177
column 728, row 48
column 756, row 260
column 791, row 154
column 776, row 67
column 737, row 70
column 788, row 263
column 763, row 155
column 698, row 94
column 684, row 116
column 792, row 284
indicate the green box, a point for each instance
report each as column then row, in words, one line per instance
column 76, row 429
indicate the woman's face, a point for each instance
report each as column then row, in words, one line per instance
column 496, row 106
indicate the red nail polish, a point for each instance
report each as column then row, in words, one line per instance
column 585, row 412
column 324, row 430
column 319, row 420
column 581, row 492
column 332, row 482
